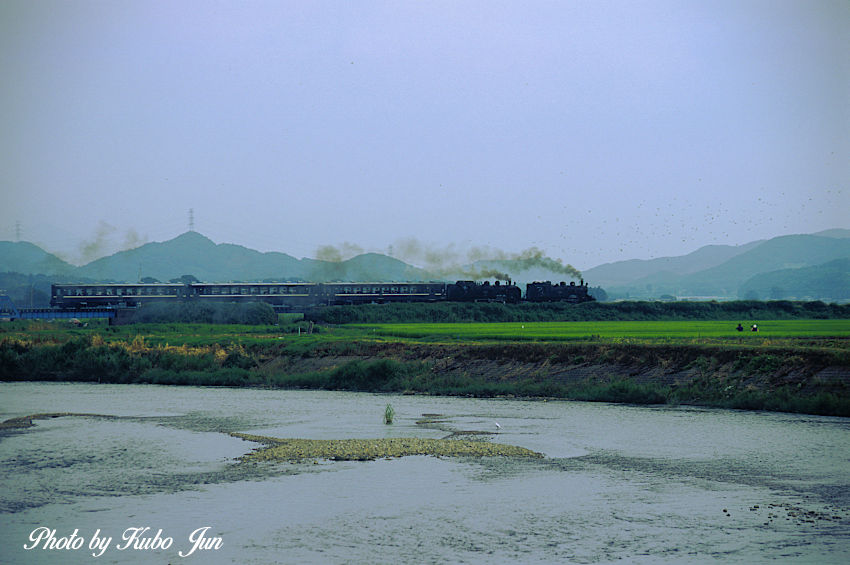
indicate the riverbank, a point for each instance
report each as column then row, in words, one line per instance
column 792, row 374
column 808, row 380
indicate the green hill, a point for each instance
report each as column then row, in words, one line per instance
column 786, row 252
column 725, row 279
column 192, row 253
column 635, row 270
column 26, row 258
column 830, row 281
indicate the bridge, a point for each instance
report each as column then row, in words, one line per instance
column 12, row 312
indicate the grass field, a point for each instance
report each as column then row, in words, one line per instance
column 648, row 330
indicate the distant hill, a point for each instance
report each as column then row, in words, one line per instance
column 830, row 281
column 723, row 279
column 836, row 233
column 632, row 271
column 377, row 267
column 785, row 252
column 28, row 259
column 194, row 254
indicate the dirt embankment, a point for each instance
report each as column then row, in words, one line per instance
column 807, row 370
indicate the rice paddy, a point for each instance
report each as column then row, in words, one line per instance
column 649, row 330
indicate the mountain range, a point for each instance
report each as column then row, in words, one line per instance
column 814, row 266
column 722, row 271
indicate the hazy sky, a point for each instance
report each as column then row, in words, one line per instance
column 596, row 131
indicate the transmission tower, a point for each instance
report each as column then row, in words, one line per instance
column 18, row 231
column 191, row 219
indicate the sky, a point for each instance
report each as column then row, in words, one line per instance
column 593, row 131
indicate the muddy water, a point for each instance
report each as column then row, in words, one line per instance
column 618, row 483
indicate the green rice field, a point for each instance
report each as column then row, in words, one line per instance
column 652, row 330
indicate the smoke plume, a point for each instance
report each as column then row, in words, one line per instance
column 103, row 242
column 449, row 261
column 133, row 240
column 337, row 254
column 98, row 246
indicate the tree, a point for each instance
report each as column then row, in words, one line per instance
column 185, row 279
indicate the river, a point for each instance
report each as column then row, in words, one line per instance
column 618, row 483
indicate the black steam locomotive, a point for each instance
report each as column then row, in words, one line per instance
column 297, row 296
column 471, row 291
column 548, row 292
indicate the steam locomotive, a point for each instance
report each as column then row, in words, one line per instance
column 297, row 296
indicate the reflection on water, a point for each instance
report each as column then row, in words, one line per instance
column 640, row 484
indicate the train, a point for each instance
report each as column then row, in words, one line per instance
column 297, row 296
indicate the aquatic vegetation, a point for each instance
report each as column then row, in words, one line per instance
column 389, row 414
column 26, row 421
column 278, row 449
